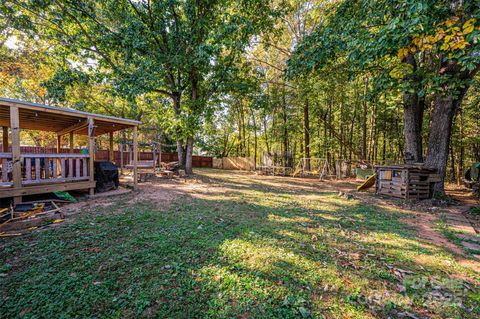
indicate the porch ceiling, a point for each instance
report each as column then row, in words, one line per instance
column 61, row 120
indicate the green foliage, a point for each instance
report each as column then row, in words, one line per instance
column 180, row 49
column 365, row 33
column 237, row 75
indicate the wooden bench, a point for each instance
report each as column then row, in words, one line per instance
column 142, row 165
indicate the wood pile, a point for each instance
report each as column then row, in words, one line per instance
column 171, row 166
column 166, row 173
column 28, row 216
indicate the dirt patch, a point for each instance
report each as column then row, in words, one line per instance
column 461, row 194
column 421, row 216
column 424, row 223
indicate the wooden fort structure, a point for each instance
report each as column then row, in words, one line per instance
column 405, row 181
column 31, row 173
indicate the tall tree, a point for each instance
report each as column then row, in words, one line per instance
column 431, row 50
column 180, row 49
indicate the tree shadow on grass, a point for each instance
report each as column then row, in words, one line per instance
column 295, row 186
column 237, row 256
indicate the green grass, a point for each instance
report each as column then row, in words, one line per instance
column 454, row 236
column 243, row 248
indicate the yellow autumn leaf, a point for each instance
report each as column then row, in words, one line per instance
column 439, row 37
column 470, row 21
column 450, row 22
column 417, row 41
column 445, row 46
column 468, row 26
column 430, row 39
column 454, row 30
column 459, row 45
column 402, row 53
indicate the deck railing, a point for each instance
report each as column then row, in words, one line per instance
column 47, row 168
column 6, row 161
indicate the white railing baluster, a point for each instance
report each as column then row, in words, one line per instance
column 46, row 162
column 85, row 169
column 63, row 160
column 37, row 169
column 77, row 168
column 55, row 168
column 28, row 168
column 4, row 170
column 70, row 168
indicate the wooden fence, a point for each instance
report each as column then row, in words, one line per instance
column 240, row 163
column 102, row 155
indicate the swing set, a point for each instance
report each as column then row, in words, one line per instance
column 314, row 166
column 141, row 164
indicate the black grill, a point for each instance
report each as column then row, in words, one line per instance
column 106, row 176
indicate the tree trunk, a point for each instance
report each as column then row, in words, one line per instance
column 189, row 143
column 364, row 122
column 452, row 165
column 285, row 129
column 181, row 153
column 265, row 130
column 372, row 135
column 180, row 150
column 242, row 122
column 440, row 135
column 306, row 121
column 254, row 140
column 413, row 109
column 352, row 123
column 340, row 152
column 460, row 167
column 188, row 160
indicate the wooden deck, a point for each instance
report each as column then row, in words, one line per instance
column 30, row 173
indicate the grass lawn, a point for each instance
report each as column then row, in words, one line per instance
column 233, row 245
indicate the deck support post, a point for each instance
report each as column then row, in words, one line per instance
column 16, row 163
column 121, row 158
column 59, row 147
column 71, row 141
column 5, row 139
column 110, row 150
column 135, row 156
column 59, row 143
column 130, row 156
column 91, row 152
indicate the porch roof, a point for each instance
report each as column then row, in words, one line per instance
column 41, row 117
